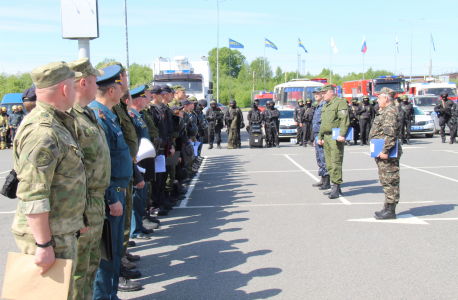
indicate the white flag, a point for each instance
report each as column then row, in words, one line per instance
column 334, row 46
column 397, row 44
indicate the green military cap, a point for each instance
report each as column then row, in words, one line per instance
column 51, row 74
column 179, row 88
column 388, row 91
column 192, row 98
column 114, row 63
column 212, row 102
column 354, row 100
column 365, row 97
column 359, row 102
column 84, row 66
column 404, row 97
column 308, row 100
column 300, row 101
column 327, row 87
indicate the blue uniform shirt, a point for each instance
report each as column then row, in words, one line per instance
column 140, row 125
column 121, row 162
column 316, row 122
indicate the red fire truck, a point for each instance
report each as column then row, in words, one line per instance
column 263, row 97
column 359, row 88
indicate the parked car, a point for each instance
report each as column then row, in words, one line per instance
column 424, row 124
column 288, row 126
column 427, row 104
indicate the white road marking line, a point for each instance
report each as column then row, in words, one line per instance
column 184, row 203
column 249, row 172
column 445, row 177
column 451, row 151
column 8, row 212
column 5, row 172
column 439, row 219
column 344, row 201
column 285, row 154
column 401, row 219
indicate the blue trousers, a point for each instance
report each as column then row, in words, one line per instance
column 320, row 160
column 107, row 278
column 139, row 203
column 199, row 149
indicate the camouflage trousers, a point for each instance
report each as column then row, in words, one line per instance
column 334, row 153
column 320, row 159
column 65, row 248
column 128, row 218
column 3, row 144
column 390, row 178
column 88, row 259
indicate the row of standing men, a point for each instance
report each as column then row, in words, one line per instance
column 78, row 171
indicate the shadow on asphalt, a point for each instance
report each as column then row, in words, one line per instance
column 191, row 262
column 429, row 210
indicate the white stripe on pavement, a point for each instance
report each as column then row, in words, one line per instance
column 184, row 203
column 344, row 201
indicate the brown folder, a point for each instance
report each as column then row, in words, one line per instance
column 23, row 281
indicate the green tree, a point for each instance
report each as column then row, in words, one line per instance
column 140, row 74
column 237, row 59
column 105, row 61
column 14, row 83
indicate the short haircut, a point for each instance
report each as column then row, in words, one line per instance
column 388, row 96
column 103, row 89
column 125, row 96
column 29, row 105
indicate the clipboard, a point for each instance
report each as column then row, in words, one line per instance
column 348, row 135
column 23, row 281
column 377, row 147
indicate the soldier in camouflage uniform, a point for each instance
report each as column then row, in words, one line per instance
column 51, row 210
column 324, row 183
column 334, row 114
column 387, row 126
column 180, row 95
column 91, row 137
column 3, row 128
column 234, row 121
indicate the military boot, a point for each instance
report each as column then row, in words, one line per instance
column 451, row 141
column 319, row 183
column 335, row 192
column 361, row 143
column 388, row 213
column 210, row 146
column 408, row 142
column 326, row 183
column 443, row 140
column 219, row 146
column 377, row 213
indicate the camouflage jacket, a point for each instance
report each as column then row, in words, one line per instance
column 334, row 114
column 152, row 129
column 387, row 126
column 91, row 138
column 50, row 169
column 175, row 101
column 127, row 126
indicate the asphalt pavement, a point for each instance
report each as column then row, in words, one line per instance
column 253, row 227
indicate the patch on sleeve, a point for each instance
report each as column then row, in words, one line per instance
column 43, row 157
column 343, row 112
column 387, row 130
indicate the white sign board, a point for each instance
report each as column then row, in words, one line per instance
column 79, row 19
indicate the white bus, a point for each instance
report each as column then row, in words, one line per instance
column 287, row 94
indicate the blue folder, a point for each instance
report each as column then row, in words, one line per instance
column 377, row 147
column 348, row 136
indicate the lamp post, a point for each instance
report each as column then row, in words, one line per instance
column 411, row 42
column 217, row 47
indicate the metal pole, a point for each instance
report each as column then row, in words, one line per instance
column 217, row 51
column 430, row 60
column 83, row 48
column 230, row 75
column 264, row 64
column 253, row 81
column 411, row 51
column 127, row 43
column 363, row 65
column 395, row 53
column 330, row 59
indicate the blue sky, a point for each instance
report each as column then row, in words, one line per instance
column 30, row 32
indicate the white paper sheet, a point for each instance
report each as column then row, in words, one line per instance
column 160, row 164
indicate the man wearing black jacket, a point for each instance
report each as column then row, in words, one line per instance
column 366, row 115
column 306, row 123
column 444, row 109
column 407, row 115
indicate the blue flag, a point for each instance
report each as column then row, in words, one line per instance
column 234, row 44
column 432, row 41
column 270, row 44
column 301, row 45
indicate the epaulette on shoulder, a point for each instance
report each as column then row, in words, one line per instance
column 45, row 119
column 100, row 114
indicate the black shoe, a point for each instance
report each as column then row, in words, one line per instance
column 408, row 142
column 147, row 231
column 143, row 236
column 278, row 146
column 251, row 147
column 328, row 192
column 388, row 214
column 132, row 257
column 129, row 274
column 451, row 142
column 361, row 143
column 443, row 141
column 300, row 144
column 210, row 146
column 219, row 147
column 152, row 219
column 377, row 213
column 126, row 285
column 326, row 183
column 319, row 183
column 131, row 244
column 305, row 144
column 335, row 192
column 297, row 143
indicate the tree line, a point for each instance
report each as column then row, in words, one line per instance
column 241, row 81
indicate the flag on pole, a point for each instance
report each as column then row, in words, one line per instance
column 270, row 44
column 334, row 46
column 432, row 41
column 234, row 44
column 397, row 44
column 301, row 45
column 364, row 47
